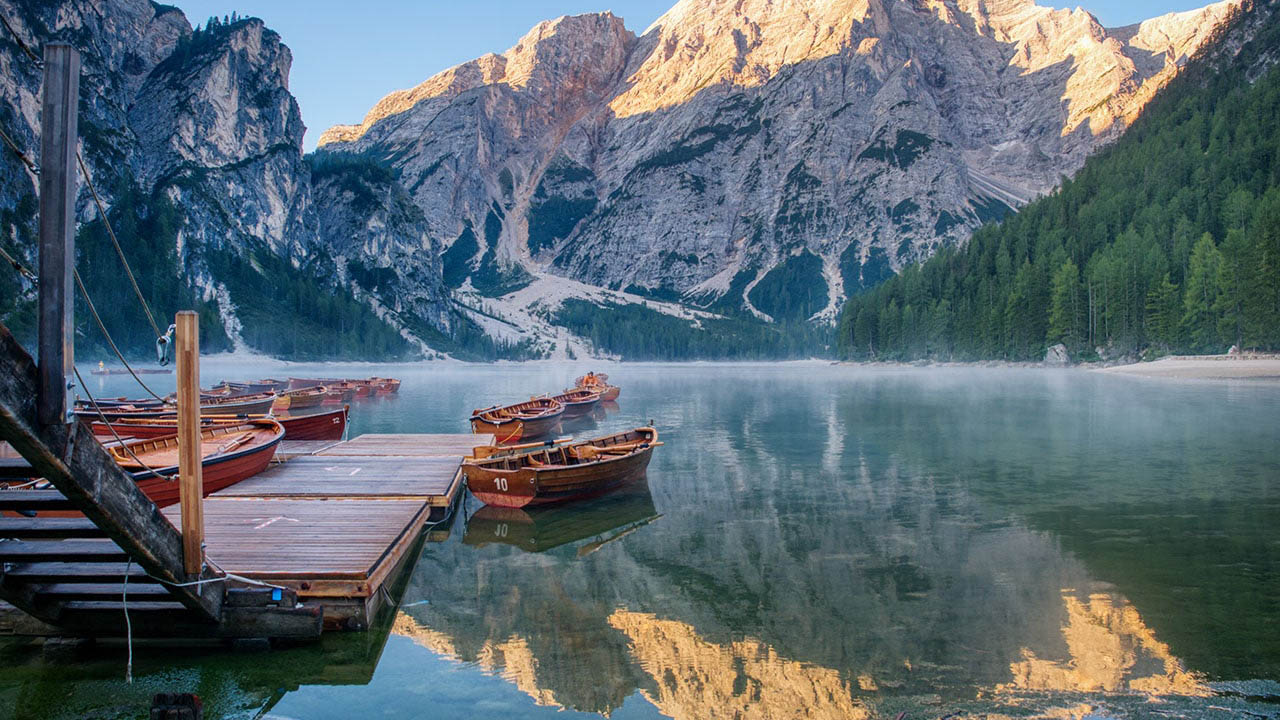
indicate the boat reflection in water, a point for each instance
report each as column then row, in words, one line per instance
column 538, row 529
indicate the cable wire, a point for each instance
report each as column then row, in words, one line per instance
column 21, row 45
column 23, row 270
column 93, row 310
column 110, row 427
column 27, row 161
column 102, row 212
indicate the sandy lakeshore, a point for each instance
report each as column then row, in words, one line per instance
column 1221, row 367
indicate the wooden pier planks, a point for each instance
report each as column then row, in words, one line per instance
column 335, row 521
column 289, row 541
column 409, row 445
column 428, row 479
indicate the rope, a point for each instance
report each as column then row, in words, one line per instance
column 21, row 45
column 23, row 270
column 93, row 310
column 31, row 166
column 112, row 428
column 128, row 271
column 128, row 626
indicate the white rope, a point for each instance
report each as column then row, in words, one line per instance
column 128, row 626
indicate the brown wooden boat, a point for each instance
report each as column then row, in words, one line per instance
column 516, row 477
column 231, row 454
column 339, row 393
column 115, row 410
column 578, row 402
column 302, row 398
column 385, row 386
column 229, row 388
column 323, row 425
column 598, row 382
column 522, row 421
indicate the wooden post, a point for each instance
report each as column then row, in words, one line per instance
column 190, row 466
column 58, row 134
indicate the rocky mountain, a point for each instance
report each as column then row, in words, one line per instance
column 737, row 169
column 195, row 142
column 738, row 151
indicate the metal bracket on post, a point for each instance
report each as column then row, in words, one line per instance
column 59, row 131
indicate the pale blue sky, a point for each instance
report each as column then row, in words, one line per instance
column 347, row 54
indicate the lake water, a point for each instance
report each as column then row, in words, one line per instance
column 812, row 541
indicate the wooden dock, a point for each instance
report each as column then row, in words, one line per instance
column 337, row 522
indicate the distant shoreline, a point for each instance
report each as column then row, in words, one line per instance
column 1205, row 367
column 1265, row 368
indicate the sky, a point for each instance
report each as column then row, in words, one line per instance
column 347, row 55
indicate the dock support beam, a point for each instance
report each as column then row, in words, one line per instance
column 190, row 454
column 58, row 133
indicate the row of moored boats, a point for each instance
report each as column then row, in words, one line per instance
column 526, row 469
column 241, row 426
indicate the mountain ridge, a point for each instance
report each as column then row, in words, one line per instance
column 626, row 199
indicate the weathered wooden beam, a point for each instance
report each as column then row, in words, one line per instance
column 35, row 500
column 190, row 450
column 43, row 528
column 20, row 551
column 98, row 487
column 97, row 618
column 58, row 135
column 45, row 572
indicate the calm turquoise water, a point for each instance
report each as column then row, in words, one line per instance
column 812, row 541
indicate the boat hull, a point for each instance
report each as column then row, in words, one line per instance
column 326, row 425
column 553, row 484
column 217, row 474
column 255, row 406
column 511, row 431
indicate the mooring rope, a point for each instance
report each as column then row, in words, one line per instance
column 26, row 160
column 93, row 310
column 128, row 626
column 128, row 271
column 112, row 428
column 23, row 270
column 21, row 45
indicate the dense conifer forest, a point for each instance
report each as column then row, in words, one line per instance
column 1168, row 241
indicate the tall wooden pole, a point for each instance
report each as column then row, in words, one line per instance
column 190, row 456
column 58, row 133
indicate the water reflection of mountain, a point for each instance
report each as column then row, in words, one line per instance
column 789, row 531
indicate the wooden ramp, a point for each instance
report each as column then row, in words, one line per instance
column 337, row 522
column 67, row 574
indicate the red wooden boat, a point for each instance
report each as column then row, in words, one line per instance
column 598, row 382
column 549, row 473
column 578, row 402
column 117, row 410
column 231, row 454
column 343, row 392
column 323, row 425
column 522, row 421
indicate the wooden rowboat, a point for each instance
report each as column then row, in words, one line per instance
column 560, row 473
column 136, row 371
column 598, row 382
column 324, row 425
column 117, row 410
column 522, row 421
column 385, row 386
column 231, row 454
column 302, row 398
column 578, row 402
column 339, row 393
